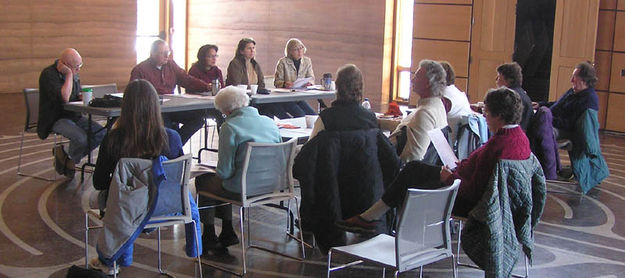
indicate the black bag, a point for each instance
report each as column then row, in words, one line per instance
column 106, row 101
column 80, row 272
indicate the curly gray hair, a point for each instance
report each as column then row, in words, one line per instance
column 436, row 76
column 231, row 98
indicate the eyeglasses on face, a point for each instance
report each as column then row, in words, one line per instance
column 212, row 56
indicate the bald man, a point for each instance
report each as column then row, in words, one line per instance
column 59, row 83
column 164, row 74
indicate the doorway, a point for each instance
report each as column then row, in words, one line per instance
column 533, row 45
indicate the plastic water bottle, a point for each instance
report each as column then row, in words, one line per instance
column 366, row 104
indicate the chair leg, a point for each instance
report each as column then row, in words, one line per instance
column 383, row 272
column 115, row 269
column 453, row 265
column 329, row 262
column 158, row 247
column 301, row 232
column 243, row 238
column 421, row 272
column 86, row 240
column 19, row 160
column 458, row 246
column 197, row 248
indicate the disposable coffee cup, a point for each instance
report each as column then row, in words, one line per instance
column 253, row 89
column 86, row 96
column 310, row 120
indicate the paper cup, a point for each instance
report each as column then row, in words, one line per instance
column 253, row 89
column 86, row 97
column 310, row 121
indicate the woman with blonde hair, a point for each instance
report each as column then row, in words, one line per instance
column 292, row 66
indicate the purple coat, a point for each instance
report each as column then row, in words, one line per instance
column 543, row 142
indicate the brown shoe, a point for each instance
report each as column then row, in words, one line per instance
column 59, row 159
column 357, row 224
column 70, row 168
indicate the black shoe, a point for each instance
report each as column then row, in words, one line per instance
column 228, row 238
column 59, row 159
column 212, row 246
column 566, row 173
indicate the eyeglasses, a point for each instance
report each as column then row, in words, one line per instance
column 212, row 56
column 76, row 67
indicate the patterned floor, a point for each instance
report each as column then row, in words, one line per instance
column 42, row 229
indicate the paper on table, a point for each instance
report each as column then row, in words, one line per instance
column 301, row 82
column 442, row 148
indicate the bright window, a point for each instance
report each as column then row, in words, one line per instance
column 403, row 47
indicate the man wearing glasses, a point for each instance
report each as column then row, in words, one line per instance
column 59, row 83
column 165, row 74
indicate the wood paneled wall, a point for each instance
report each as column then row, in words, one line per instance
column 442, row 31
column 334, row 32
column 36, row 31
column 610, row 64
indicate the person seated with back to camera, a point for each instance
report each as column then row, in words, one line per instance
column 206, row 69
column 292, row 66
column 139, row 132
column 411, row 135
column 243, row 124
column 502, row 111
column 345, row 165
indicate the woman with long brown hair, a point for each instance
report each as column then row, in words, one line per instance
column 138, row 133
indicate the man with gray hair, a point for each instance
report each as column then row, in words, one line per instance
column 411, row 135
column 164, row 74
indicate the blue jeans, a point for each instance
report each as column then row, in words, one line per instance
column 76, row 132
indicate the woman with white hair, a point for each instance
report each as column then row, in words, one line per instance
column 410, row 137
column 242, row 124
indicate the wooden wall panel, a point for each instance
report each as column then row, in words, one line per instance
column 603, row 109
column 456, row 53
column 35, row 32
column 467, row 2
column 621, row 5
column 607, row 4
column 616, row 113
column 603, row 67
column 442, row 22
column 461, row 83
column 619, row 36
column 617, row 78
column 605, row 30
column 335, row 33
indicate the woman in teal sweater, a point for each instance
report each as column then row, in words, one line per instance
column 243, row 124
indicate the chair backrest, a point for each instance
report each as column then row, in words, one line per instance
column 31, row 100
column 267, row 169
column 102, row 89
column 423, row 232
column 173, row 192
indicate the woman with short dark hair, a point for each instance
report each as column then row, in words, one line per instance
column 511, row 76
column 206, row 68
column 503, row 113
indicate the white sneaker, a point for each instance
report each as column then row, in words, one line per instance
column 96, row 264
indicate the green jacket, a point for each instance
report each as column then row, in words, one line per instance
column 587, row 162
column 505, row 217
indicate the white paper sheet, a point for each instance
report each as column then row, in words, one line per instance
column 443, row 148
column 301, row 82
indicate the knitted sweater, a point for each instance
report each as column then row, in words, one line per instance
column 476, row 170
